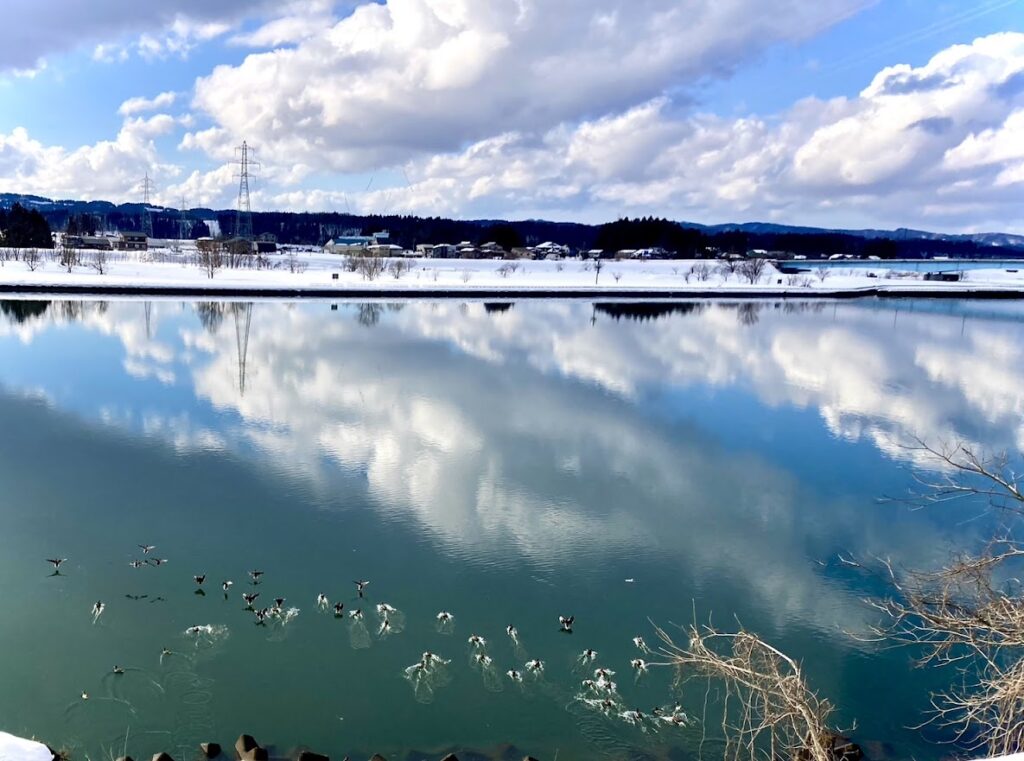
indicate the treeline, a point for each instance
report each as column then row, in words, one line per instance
column 679, row 240
column 24, row 228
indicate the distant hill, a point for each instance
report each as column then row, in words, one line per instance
column 681, row 238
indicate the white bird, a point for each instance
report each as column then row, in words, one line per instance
column 639, row 664
column 383, row 609
column 97, row 610
column 477, row 641
column 445, row 617
column 566, row 622
column 360, row 586
column 385, row 627
column 483, row 659
column 55, row 562
column 147, row 548
column 227, row 585
column 588, row 656
column 431, row 659
column 322, row 601
column 535, row 666
column 515, row 676
column 357, row 614
column 641, row 645
column 511, row 631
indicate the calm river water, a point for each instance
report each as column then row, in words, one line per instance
column 624, row 464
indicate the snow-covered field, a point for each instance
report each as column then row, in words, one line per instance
column 320, row 273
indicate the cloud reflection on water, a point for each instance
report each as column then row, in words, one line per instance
column 532, row 427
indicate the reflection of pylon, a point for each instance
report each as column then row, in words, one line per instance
column 243, row 217
column 147, row 220
column 148, row 307
column 242, row 339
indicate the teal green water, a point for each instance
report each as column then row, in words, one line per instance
column 506, row 463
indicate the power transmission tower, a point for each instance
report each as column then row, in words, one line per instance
column 243, row 217
column 147, row 220
column 184, row 229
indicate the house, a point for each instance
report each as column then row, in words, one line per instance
column 207, row 244
column 133, row 242
column 385, row 250
column 549, row 249
column 595, row 253
column 355, row 244
column 492, row 250
column 91, row 242
column 437, row 250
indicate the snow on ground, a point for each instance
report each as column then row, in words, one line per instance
column 16, row 749
column 315, row 271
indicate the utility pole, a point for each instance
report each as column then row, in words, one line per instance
column 243, row 217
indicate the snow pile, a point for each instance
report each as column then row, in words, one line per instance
column 17, row 749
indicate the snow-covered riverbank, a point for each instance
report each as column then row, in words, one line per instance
column 320, row 274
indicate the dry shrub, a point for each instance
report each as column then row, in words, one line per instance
column 768, row 710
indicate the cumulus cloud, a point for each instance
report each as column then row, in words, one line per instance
column 411, row 77
column 140, row 105
column 939, row 144
column 108, row 169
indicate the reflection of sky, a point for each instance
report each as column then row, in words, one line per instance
column 489, row 426
column 728, row 446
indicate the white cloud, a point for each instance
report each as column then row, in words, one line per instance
column 113, row 27
column 140, row 105
column 109, row 169
column 417, row 77
column 938, row 145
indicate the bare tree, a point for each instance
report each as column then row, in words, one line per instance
column 32, row 259
column 768, row 710
column 99, row 262
column 68, row 257
column 753, row 270
column 211, row 258
column 370, row 266
column 822, row 273
column 398, row 267
column 701, row 271
column 969, row 615
column 294, row 265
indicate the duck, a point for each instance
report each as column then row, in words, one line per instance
column 477, row 641
column 444, row 617
column 535, row 666
column 515, row 676
column 566, row 622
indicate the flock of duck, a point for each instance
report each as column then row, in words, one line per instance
column 597, row 690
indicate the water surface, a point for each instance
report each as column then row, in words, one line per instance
column 508, row 463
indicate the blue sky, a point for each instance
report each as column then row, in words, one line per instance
column 711, row 111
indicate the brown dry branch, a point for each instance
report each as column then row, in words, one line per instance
column 963, row 616
column 969, row 615
column 966, row 473
column 768, row 710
